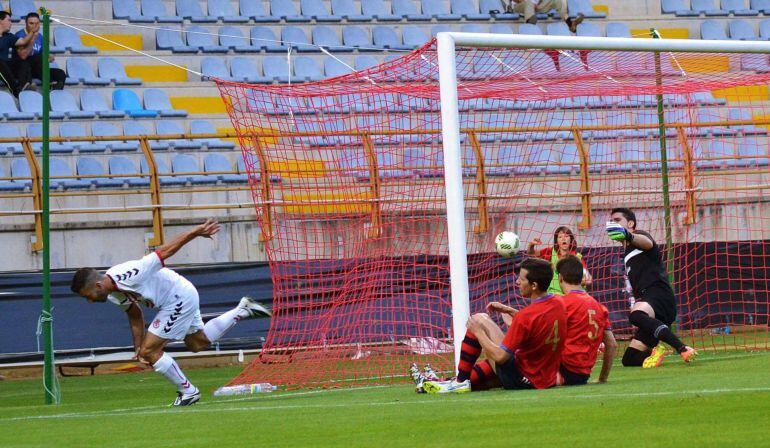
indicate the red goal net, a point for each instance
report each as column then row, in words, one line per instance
column 348, row 184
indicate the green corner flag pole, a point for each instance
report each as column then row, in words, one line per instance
column 664, row 163
column 49, row 376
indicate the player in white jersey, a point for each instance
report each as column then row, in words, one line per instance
column 148, row 282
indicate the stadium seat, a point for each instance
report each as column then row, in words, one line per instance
column 333, row 68
column 764, row 29
column 182, row 164
column 79, row 70
column 707, row 7
column 102, row 129
column 89, row 166
column 157, row 10
column 762, row 6
column 741, row 30
column 489, row 6
column 307, row 69
column 741, row 114
column 157, row 99
column 500, row 28
column 128, row 10
column 224, row 11
column 214, row 67
column 244, row 69
column 737, row 8
column 313, row 9
column 92, row 101
column 59, row 170
column 712, row 30
column 601, row 157
column 709, row 116
column 20, row 8
column 557, row 29
column 206, row 127
column 275, row 68
column 751, row 152
column 21, row 173
column 127, row 101
column 35, row 130
column 617, row 29
column 69, row 39
column 439, row 9
column 677, row 7
column 166, row 39
column 202, row 39
column 472, row 28
column 529, row 29
column 32, row 102
column 138, row 129
column 112, row 70
column 263, row 38
column 349, row 11
column 324, row 36
column 588, row 29
column 386, row 37
column 584, row 7
column 163, row 172
column 284, row 9
column 379, row 10
column 10, row 110
column 468, row 10
column 757, row 62
column 10, row 131
column 442, row 28
column 218, row 162
column 167, row 127
column 714, row 153
column 62, row 101
column 407, row 9
column 9, row 185
column 256, row 11
column 231, row 37
column 414, row 37
column 123, row 166
column 296, row 37
column 192, row 11
column 365, row 62
column 358, row 37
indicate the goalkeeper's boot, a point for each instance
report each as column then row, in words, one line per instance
column 417, row 377
column 447, row 387
column 688, row 354
column 184, row 399
column 429, row 373
column 655, row 358
column 252, row 308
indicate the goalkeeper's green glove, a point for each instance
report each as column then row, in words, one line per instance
column 616, row 232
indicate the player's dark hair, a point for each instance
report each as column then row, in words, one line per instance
column 571, row 270
column 538, row 271
column 4, row 14
column 627, row 213
column 32, row 14
column 82, row 278
column 568, row 231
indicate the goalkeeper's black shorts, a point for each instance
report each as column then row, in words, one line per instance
column 663, row 303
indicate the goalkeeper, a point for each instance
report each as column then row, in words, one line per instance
column 655, row 307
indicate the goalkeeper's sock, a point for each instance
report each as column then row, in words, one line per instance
column 656, row 328
column 482, row 376
column 633, row 357
column 167, row 367
column 469, row 353
column 217, row 327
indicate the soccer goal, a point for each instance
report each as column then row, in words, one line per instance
column 379, row 193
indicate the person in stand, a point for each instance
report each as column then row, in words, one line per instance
column 13, row 52
column 33, row 64
column 564, row 245
column 530, row 8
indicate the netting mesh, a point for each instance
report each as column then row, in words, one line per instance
column 347, row 178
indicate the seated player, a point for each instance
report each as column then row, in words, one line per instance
column 528, row 355
column 588, row 325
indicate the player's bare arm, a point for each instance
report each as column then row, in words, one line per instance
column 206, row 230
column 610, row 349
column 531, row 246
column 506, row 312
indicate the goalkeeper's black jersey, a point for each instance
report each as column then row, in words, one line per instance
column 644, row 268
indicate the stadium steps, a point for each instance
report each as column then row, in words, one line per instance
column 133, row 41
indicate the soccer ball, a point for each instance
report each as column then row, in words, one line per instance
column 507, row 243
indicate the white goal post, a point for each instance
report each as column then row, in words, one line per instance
column 450, row 126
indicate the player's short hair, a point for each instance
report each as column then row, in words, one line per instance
column 568, row 231
column 627, row 213
column 571, row 270
column 4, row 14
column 83, row 278
column 32, row 14
column 538, row 271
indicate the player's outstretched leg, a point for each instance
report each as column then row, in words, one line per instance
column 469, row 353
column 655, row 358
column 447, row 387
column 247, row 308
column 658, row 329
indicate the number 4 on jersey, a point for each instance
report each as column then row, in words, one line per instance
column 553, row 339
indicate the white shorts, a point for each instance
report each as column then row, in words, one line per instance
column 179, row 319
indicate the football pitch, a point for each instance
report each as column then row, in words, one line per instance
column 721, row 400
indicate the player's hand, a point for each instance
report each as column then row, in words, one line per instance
column 535, row 242
column 616, row 232
column 208, row 228
column 139, row 359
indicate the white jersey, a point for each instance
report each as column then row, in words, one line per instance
column 146, row 282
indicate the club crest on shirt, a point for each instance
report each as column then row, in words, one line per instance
column 156, row 323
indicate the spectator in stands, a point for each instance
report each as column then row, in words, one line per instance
column 530, row 7
column 564, row 245
column 13, row 51
column 33, row 64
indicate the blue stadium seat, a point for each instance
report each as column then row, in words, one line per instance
column 275, row 68
column 92, row 101
column 157, row 99
column 424, row 162
column 296, row 37
column 9, row 185
column 316, row 10
column 102, row 129
column 756, row 62
column 20, row 8
column 256, row 174
column 89, row 166
column 584, row 7
column 386, row 37
column 232, row 37
column 414, row 36
column 207, row 127
column 166, row 39
column 157, row 10
column 224, row 11
column 256, row 11
column 764, row 29
column 80, row 71
column 167, row 127
column 379, row 10
column 472, row 28
column 214, row 67
column 557, row 29
column 762, row 6
column 617, row 29
column 601, row 157
column 365, row 62
column 714, row 154
column 163, row 172
column 192, row 11
column 32, row 102
column 325, row 37
column 127, row 101
column 468, row 10
column 112, row 70
column 408, row 10
column 127, row 170
column 63, row 102
column 35, row 130
column 741, row 114
column 356, row 36
column 709, row 116
column 138, row 129
column 128, row 10
column 284, row 9
column 751, row 152
column 738, row 8
column 10, row 110
column 182, row 164
column 244, row 69
column 21, row 173
column 333, row 68
column 677, row 7
column 489, row 6
column 263, row 38
column 588, row 29
column 307, row 69
column 10, row 131
column 707, row 7
column 712, row 30
column 529, row 29
column 60, row 169
column 70, row 40
column 201, row 38
column 349, row 11
column 439, row 9
column 442, row 28
column 741, row 30
column 218, row 162
column 500, row 28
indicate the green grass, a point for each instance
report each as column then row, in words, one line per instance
column 722, row 400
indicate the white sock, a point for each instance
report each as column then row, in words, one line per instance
column 217, row 327
column 167, row 367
